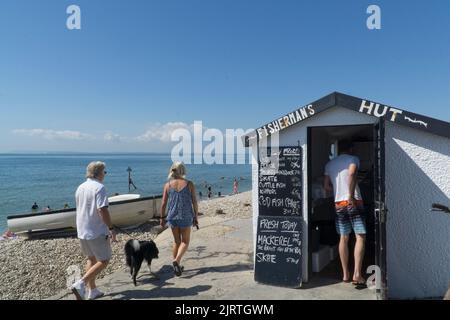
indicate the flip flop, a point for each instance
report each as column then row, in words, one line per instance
column 357, row 283
column 346, row 281
column 360, row 286
column 176, row 269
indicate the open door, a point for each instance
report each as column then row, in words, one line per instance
column 380, row 206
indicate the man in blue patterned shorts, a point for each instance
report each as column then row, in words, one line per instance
column 340, row 177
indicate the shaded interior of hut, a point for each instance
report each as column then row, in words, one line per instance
column 323, row 237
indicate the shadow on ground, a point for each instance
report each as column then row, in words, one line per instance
column 160, row 292
column 163, row 282
column 328, row 276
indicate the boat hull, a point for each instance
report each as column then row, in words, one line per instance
column 123, row 213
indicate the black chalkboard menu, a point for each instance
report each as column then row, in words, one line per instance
column 278, row 258
column 280, row 182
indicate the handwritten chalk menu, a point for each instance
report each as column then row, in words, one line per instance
column 280, row 182
column 278, row 259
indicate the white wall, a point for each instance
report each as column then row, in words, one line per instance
column 418, row 242
column 298, row 134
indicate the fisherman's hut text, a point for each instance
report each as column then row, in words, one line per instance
column 225, row 310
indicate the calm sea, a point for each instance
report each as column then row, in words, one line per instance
column 51, row 180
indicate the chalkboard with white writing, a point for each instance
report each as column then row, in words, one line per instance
column 280, row 182
column 278, row 256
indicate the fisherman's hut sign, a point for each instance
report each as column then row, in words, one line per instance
column 286, row 121
column 378, row 110
column 278, row 256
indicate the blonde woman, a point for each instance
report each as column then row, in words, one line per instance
column 182, row 211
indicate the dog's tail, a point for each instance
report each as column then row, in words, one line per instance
column 136, row 245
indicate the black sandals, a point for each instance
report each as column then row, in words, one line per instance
column 177, row 269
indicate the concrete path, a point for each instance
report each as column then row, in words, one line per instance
column 218, row 265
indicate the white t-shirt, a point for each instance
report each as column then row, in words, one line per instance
column 337, row 170
column 91, row 196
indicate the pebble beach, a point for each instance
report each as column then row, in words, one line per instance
column 37, row 269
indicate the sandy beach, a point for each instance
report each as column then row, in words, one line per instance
column 37, row 269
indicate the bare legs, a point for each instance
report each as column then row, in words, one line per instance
column 343, row 254
column 181, row 238
column 359, row 255
column 176, row 242
column 90, row 263
column 93, row 268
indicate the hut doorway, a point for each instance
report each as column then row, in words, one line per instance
column 324, row 263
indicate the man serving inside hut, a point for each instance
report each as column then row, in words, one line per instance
column 341, row 177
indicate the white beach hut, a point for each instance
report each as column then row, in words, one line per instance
column 405, row 168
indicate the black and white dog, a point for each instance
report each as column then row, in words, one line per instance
column 138, row 251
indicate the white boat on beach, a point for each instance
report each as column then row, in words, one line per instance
column 125, row 210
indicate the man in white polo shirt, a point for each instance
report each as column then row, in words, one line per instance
column 94, row 229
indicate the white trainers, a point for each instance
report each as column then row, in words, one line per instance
column 94, row 294
column 79, row 289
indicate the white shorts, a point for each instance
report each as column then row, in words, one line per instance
column 100, row 248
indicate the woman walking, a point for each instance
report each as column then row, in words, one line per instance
column 182, row 211
column 235, row 186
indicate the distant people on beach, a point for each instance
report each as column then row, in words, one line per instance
column 219, row 194
column 209, row 192
column 94, row 229
column 8, row 235
column 47, row 209
column 235, row 186
column 200, row 194
column 66, row 206
column 179, row 197
column 34, row 207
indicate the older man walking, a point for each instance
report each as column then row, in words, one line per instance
column 94, row 229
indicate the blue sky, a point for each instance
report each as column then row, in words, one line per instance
column 140, row 67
